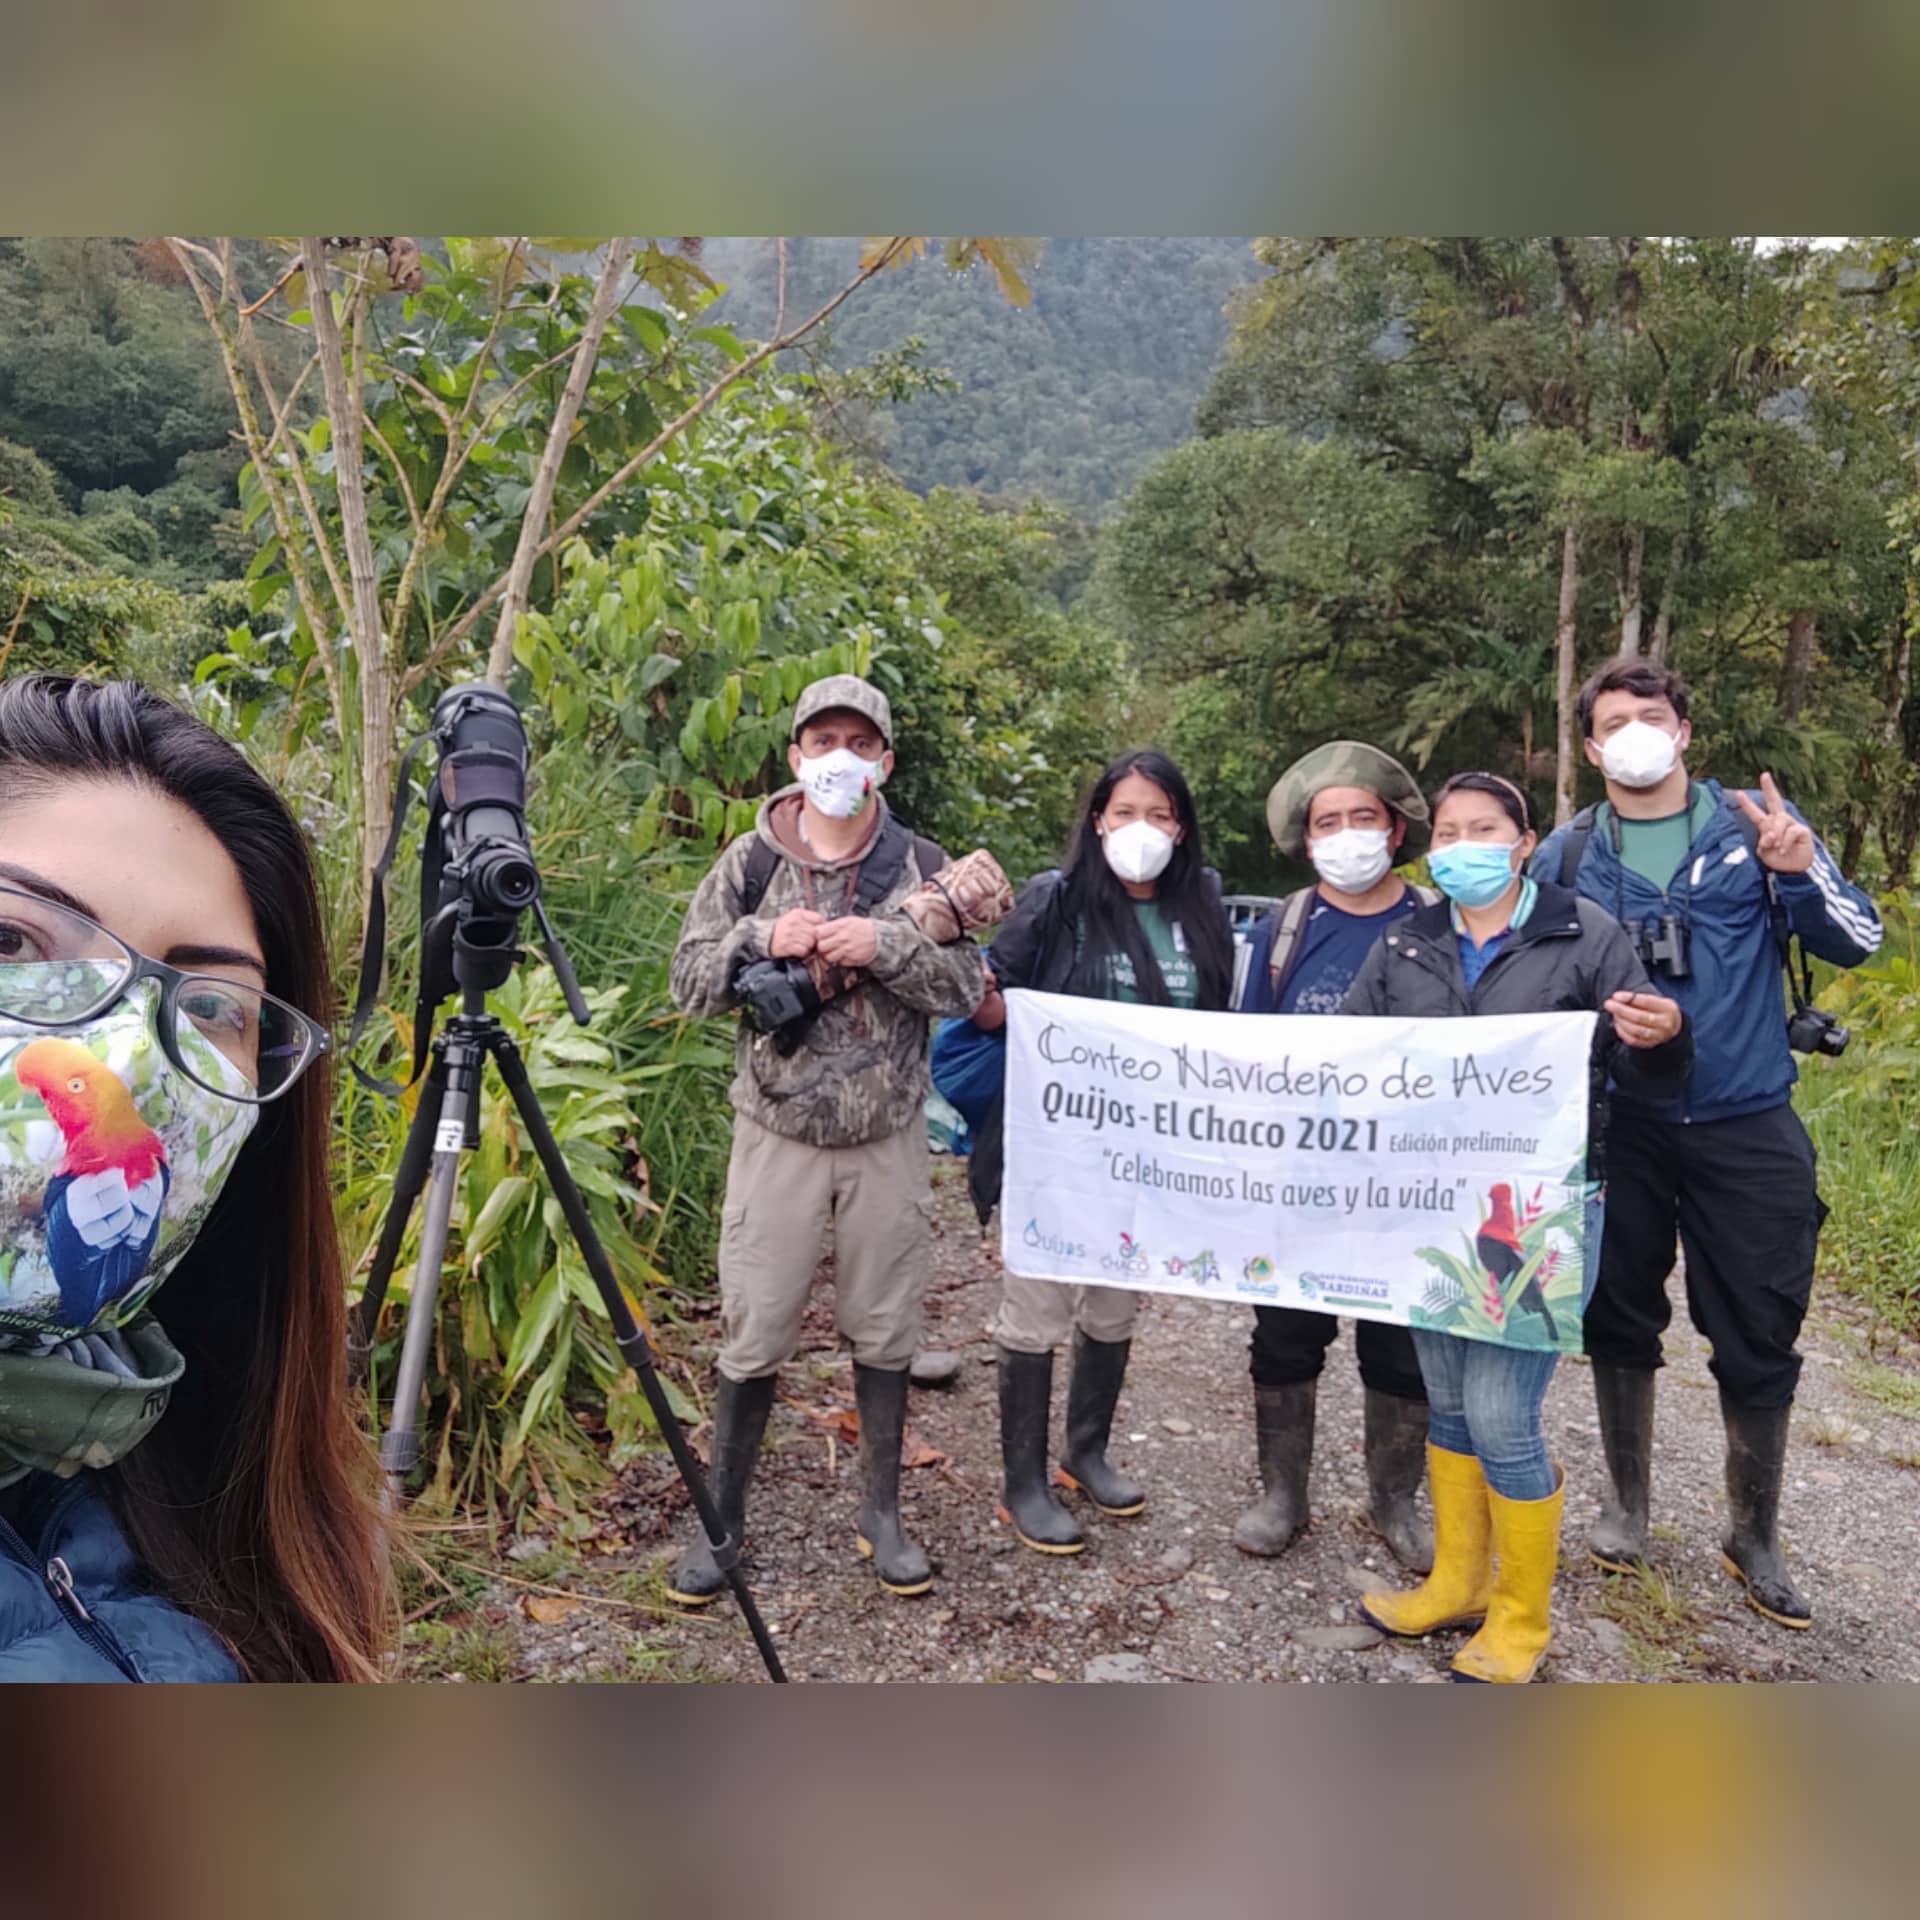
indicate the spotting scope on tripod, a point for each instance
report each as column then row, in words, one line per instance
column 477, row 880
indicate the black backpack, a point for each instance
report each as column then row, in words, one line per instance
column 879, row 871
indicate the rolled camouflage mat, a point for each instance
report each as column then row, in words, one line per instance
column 965, row 896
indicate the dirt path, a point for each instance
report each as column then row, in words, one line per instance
column 1167, row 1596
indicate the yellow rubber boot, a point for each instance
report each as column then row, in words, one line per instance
column 1456, row 1592
column 1526, row 1544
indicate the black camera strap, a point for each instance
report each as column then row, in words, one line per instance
column 879, row 872
column 373, row 951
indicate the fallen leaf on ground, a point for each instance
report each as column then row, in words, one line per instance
column 549, row 1609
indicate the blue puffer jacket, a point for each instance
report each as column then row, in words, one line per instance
column 74, row 1605
column 1735, row 998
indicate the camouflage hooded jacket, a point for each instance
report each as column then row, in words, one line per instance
column 861, row 1072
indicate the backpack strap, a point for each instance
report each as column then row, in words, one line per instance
column 762, row 862
column 1574, row 849
column 1291, row 921
column 878, row 872
column 1427, row 896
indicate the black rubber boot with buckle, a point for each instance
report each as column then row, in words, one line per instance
column 1099, row 1367
column 1027, row 1504
column 1283, row 1428
column 1756, row 1460
column 1396, row 1447
column 881, row 1396
column 740, row 1409
column 1624, row 1398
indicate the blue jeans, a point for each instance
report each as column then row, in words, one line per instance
column 1485, row 1399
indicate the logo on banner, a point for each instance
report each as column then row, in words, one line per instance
column 1131, row 1259
column 1203, row 1269
column 1335, row 1291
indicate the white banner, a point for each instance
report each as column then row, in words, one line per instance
column 1426, row 1172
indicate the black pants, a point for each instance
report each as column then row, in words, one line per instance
column 1289, row 1347
column 1741, row 1196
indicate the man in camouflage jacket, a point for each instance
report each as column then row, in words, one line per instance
column 833, row 1130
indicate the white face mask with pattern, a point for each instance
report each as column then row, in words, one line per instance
column 839, row 783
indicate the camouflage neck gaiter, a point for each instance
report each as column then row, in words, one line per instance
column 85, row 1403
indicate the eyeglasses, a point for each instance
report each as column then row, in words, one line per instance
column 59, row 969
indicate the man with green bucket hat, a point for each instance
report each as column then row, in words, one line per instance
column 1349, row 809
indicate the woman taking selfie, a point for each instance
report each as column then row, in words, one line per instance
column 1133, row 915
column 183, row 1491
column 1503, row 943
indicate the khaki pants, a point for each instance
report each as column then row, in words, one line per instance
column 781, row 1194
column 1037, row 1315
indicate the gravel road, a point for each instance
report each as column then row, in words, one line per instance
column 1166, row 1597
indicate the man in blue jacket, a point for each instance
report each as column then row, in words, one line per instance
column 1705, row 882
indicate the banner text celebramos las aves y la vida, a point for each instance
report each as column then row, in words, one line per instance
column 1429, row 1172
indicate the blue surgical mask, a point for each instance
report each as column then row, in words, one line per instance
column 1472, row 874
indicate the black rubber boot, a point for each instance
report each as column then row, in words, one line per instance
column 882, row 1399
column 740, row 1409
column 1396, row 1443
column 1099, row 1366
column 1283, row 1424
column 1624, row 1396
column 1027, row 1504
column 1756, row 1457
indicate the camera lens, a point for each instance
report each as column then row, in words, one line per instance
column 503, row 879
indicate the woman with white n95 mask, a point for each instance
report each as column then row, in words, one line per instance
column 1133, row 914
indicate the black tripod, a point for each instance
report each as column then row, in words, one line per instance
column 446, row 1123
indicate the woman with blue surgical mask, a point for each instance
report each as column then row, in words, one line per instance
column 184, row 1491
column 1501, row 943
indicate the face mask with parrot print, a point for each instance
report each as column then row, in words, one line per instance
column 110, row 1160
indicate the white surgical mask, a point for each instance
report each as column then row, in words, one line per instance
column 1139, row 851
column 1353, row 859
column 838, row 783
column 1639, row 755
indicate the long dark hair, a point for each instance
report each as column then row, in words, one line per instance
column 1513, row 801
column 250, row 1503
column 1094, row 898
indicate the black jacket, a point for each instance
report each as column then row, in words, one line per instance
column 1570, row 957
column 1038, row 949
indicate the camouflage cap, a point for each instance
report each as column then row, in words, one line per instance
column 1340, row 763
column 844, row 690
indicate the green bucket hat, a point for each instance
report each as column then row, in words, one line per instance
column 1340, row 763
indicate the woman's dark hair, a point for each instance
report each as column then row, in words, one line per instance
column 1186, row 893
column 250, row 1503
column 1510, row 796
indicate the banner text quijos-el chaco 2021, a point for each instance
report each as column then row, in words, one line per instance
column 1427, row 1172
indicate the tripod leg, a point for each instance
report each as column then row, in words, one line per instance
column 400, row 1450
column 416, row 1158
column 628, row 1336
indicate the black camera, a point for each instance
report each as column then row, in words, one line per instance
column 1665, row 949
column 780, row 997
column 1814, row 1030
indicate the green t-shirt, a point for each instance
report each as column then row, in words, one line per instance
column 1169, row 947
column 1657, row 849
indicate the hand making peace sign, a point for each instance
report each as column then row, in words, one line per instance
column 1786, row 844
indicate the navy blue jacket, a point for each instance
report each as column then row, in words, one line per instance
column 1735, row 998
column 74, row 1604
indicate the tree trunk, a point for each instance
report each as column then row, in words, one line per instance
column 368, row 629
column 533, row 521
column 1633, row 553
column 1669, row 594
column 1565, row 638
column 1791, row 695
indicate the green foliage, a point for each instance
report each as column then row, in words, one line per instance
column 1863, row 1111
column 1067, row 398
